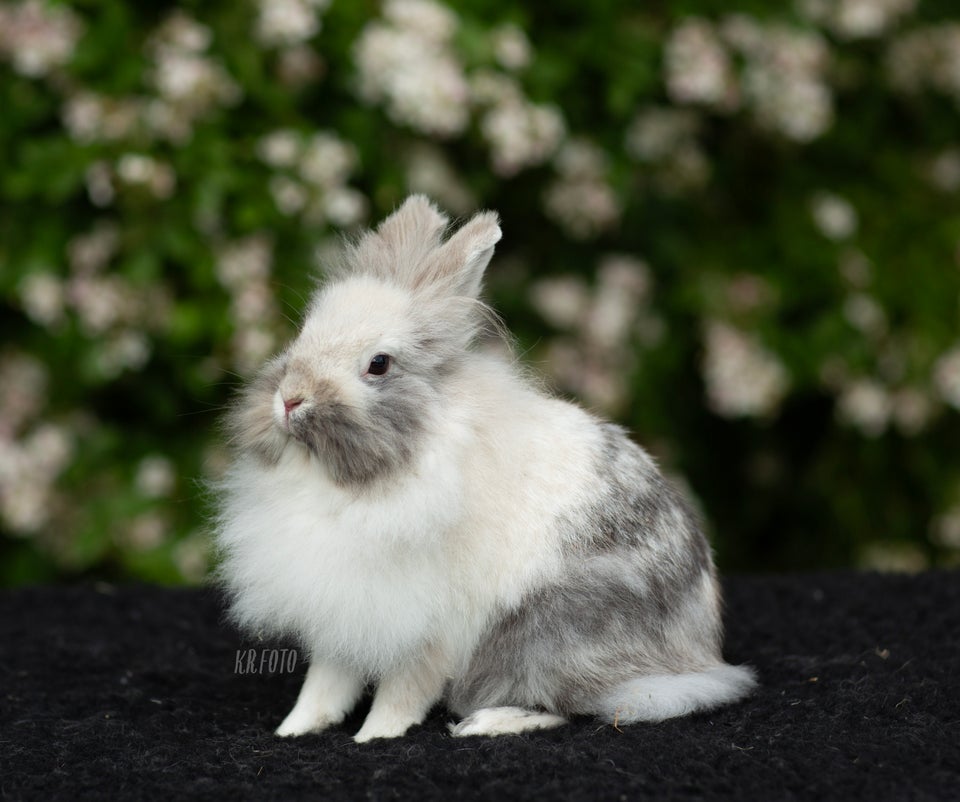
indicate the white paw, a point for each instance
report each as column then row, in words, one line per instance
column 504, row 721
column 383, row 726
column 300, row 722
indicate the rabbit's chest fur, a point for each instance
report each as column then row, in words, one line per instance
column 368, row 577
column 360, row 578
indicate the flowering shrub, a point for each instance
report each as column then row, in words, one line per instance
column 737, row 233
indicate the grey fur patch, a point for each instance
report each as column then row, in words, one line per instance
column 361, row 445
column 249, row 422
column 636, row 596
column 642, row 510
column 357, row 446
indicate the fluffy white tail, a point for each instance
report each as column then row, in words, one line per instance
column 656, row 698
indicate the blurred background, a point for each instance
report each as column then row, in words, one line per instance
column 732, row 226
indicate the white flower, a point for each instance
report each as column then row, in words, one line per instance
column 406, row 62
column 189, row 82
column 865, row 404
column 253, row 303
column 865, row 314
column 697, row 66
column 521, row 134
column 834, row 216
column 784, row 81
column 147, row 531
column 927, row 58
column 429, row 172
column 912, row 410
column 621, row 292
column 857, row 19
column 580, row 199
column 946, row 376
column 584, row 207
column 49, row 448
column 185, row 34
column 944, row 171
column 192, row 558
column 251, row 347
column 245, row 261
column 945, row 529
column 102, row 302
column 562, row 300
column 658, row 132
column 289, row 195
column 282, row 23
column 193, row 82
column 326, row 161
column 280, row 148
column 511, row 47
column 666, row 140
column 23, row 391
column 433, row 21
column 89, row 117
column 90, row 252
column 28, row 471
column 42, row 297
column 24, row 504
column 124, row 350
column 598, row 384
column 99, row 181
column 155, row 476
column 38, row 36
column 743, row 379
column 344, row 207
column 321, row 165
column 139, row 170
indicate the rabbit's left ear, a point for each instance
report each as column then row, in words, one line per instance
column 464, row 257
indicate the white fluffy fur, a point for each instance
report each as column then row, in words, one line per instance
column 505, row 721
column 368, row 576
column 662, row 697
column 394, row 580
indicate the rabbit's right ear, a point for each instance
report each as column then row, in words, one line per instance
column 462, row 259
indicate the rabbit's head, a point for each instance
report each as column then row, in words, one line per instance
column 364, row 378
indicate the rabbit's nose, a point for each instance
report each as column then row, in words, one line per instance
column 290, row 404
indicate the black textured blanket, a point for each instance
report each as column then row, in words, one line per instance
column 144, row 693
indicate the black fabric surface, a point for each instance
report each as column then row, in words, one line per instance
column 131, row 693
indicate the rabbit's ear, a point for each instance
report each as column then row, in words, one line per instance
column 462, row 259
column 398, row 247
column 415, row 225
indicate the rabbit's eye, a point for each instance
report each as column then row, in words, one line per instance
column 379, row 365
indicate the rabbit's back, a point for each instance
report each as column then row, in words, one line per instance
column 630, row 591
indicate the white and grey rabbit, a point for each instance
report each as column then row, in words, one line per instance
column 423, row 518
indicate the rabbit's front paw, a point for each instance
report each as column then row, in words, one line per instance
column 327, row 695
column 301, row 721
column 384, row 726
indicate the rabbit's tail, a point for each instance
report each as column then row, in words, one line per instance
column 659, row 697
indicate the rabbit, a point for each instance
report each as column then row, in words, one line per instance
column 424, row 518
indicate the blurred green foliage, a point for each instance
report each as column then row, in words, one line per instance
column 732, row 226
